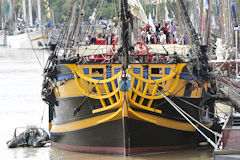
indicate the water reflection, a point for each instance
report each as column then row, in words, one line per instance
column 193, row 154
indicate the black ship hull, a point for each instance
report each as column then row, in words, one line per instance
column 122, row 136
column 132, row 137
column 137, row 121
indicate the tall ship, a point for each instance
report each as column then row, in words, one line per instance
column 127, row 97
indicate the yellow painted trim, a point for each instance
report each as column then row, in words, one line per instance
column 49, row 126
column 68, row 89
column 85, row 92
column 97, row 83
column 136, row 105
column 125, row 104
column 135, row 115
column 115, row 116
column 175, row 83
column 115, row 105
column 164, row 122
column 108, row 117
column 153, row 96
column 197, row 92
column 108, row 92
column 144, row 92
column 208, row 125
column 157, row 80
column 80, row 124
column 74, row 69
column 180, row 88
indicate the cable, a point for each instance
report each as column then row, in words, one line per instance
column 42, row 115
column 34, row 51
column 191, row 104
column 183, row 113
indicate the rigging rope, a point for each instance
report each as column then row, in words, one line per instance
column 35, row 52
column 183, row 113
column 193, row 105
column 215, row 133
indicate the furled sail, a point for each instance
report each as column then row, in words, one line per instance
column 137, row 10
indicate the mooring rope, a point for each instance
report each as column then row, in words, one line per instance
column 183, row 113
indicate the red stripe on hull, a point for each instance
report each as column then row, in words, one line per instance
column 138, row 150
column 118, row 150
column 102, row 150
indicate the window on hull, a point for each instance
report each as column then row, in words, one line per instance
column 97, row 70
column 156, row 70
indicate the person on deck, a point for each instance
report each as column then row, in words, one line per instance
column 162, row 38
column 99, row 37
column 148, row 38
column 185, row 39
column 88, row 38
column 93, row 39
column 109, row 38
column 153, row 38
column 166, row 31
column 148, row 28
column 144, row 36
column 172, row 29
column 158, row 27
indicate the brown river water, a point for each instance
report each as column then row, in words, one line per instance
column 21, row 105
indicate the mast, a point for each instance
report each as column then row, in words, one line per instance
column 177, row 15
column 39, row 11
column 70, row 28
column 225, row 21
column 228, row 25
column 164, row 10
column 159, row 11
column 222, row 25
column 30, row 12
column 80, row 14
column 202, row 59
column 125, row 19
column 208, row 24
column 202, row 18
column 230, row 15
column 236, row 45
column 0, row 15
column 24, row 11
column 207, row 36
column 188, row 24
column 125, row 33
column 200, row 2
column 156, row 13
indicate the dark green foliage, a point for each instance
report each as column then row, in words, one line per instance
column 109, row 10
column 59, row 8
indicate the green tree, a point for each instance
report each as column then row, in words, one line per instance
column 59, row 8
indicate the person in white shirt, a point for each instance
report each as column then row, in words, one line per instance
column 162, row 38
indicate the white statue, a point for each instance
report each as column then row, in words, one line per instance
column 220, row 50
